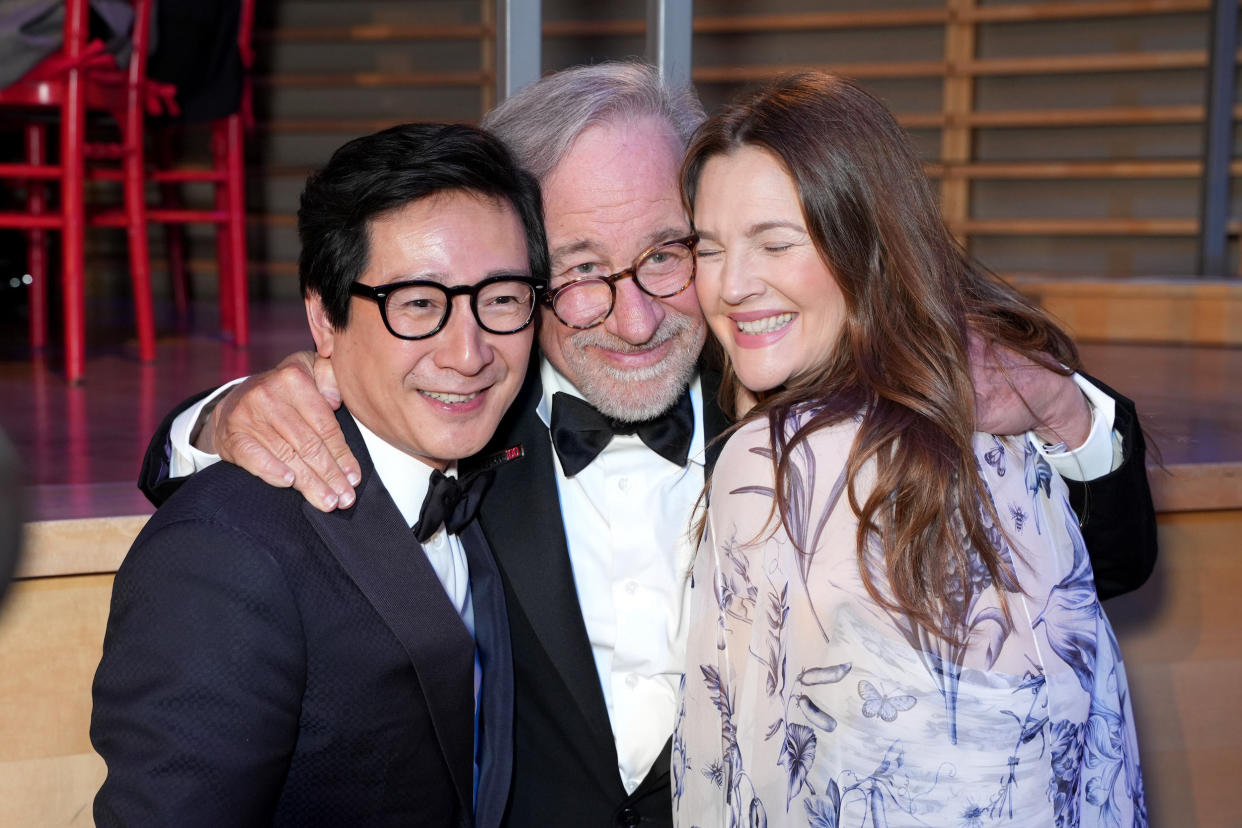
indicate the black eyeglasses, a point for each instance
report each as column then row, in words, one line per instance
column 663, row 270
column 418, row 308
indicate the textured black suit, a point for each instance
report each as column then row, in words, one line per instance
column 565, row 760
column 268, row 664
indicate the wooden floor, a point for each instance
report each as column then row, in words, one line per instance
column 82, row 446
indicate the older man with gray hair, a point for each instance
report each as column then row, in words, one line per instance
column 604, row 453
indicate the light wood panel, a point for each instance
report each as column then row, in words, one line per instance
column 51, row 637
column 1201, row 313
column 1030, row 170
column 1027, row 12
column 1080, row 227
column 1197, row 487
column 1181, row 638
column 76, row 547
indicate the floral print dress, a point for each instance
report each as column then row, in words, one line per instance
column 806, row 703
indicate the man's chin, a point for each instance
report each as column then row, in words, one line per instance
column 636, row 393
column 641, row 398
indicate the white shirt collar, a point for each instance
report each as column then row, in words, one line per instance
column 554, row 381
column 404, row 476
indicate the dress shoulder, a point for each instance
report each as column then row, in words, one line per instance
column 747, row 460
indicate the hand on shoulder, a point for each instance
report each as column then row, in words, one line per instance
column 280, row 426
column 1014, row 395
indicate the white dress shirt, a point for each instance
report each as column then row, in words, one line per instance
column 183, row 458
column 406, row 478
column 1101, row 453
column 626, row 519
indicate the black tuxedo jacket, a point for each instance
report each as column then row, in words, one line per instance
column 565, row 760
column 268, row 664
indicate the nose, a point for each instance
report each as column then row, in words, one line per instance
column 635, row 316
column 462, row 346
column 739, row 280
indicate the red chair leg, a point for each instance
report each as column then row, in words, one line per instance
column 228, row 153
column 36, row 240
column 139, row 258
column 236, row 230
column 73, row 164
column 174, row 234
column 224, row 268
column 132, row 169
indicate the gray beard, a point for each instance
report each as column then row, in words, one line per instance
column 643, row 393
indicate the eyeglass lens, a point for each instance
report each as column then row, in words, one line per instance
column 664, row 272
column 500, row 306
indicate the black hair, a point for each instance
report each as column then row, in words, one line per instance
column 378, row 173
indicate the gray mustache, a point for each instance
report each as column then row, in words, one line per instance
column 672, row 327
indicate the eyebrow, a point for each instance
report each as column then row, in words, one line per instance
column 757, row 229
column 763, row 227
column 572, row 247
column 659, row 236
column 442, row 278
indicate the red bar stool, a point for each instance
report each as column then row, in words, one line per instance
column 82, row 76
column 226, row 172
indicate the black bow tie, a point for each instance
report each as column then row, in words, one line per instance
column 450, row 502
column 580, row 433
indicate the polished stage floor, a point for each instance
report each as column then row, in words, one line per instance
column 81, row 446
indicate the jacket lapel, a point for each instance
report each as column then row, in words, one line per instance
column 379, row 552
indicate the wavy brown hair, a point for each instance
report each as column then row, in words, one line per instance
column 911, row 295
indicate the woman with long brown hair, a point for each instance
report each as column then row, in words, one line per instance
column 893, row 618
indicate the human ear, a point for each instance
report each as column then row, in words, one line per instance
column 321, row 327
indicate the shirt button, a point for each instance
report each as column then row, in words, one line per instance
column 623, row 484
column 631, row 680
column 631, row 587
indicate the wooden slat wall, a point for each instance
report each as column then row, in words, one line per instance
column 1064, row 136
column 986, row 148
column 1029, row 185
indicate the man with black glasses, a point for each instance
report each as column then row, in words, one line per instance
column 267, row 663
column 611, row 435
